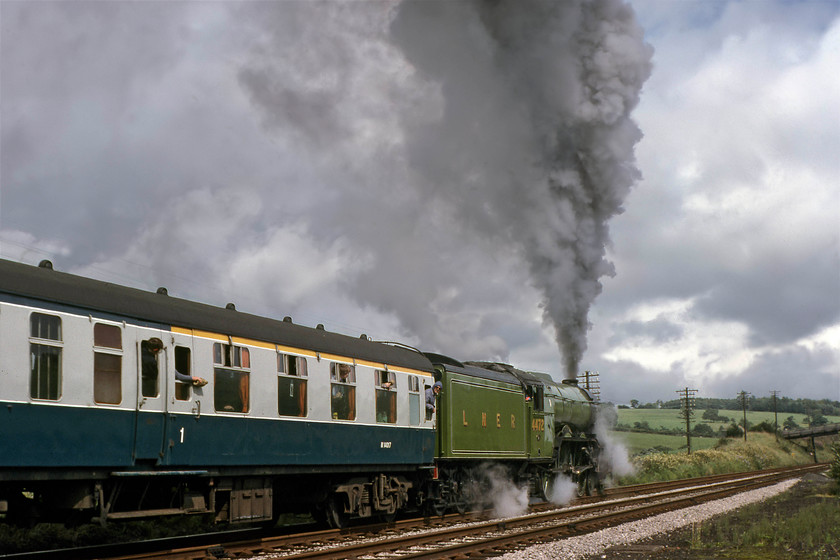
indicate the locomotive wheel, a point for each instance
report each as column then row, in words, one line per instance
column 587, row 483
column 436, row 508
column 583, row 485
column 461, row 507
column 545, row 485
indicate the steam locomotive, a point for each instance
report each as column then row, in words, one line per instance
column 117, row 403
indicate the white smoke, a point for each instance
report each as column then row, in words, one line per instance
column 614, row 458
column 563, row 492
column 509, row 500
column 492, row 486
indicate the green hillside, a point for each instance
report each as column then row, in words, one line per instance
column 669, row 418
column 636, row 428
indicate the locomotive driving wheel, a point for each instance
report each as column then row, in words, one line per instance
column 545, row 485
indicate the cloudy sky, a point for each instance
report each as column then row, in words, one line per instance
column 477, row 179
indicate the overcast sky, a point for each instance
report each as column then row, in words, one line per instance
column 481, row 180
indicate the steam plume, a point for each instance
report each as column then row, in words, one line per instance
column 491, row 135
column 535, row 145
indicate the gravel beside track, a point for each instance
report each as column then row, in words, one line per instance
column 593, row 544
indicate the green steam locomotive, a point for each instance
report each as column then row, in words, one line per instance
column 493, row 417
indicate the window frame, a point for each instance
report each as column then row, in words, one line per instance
column 183, row 389
column 103, row 372
column 45, row 347
column 225, row 354
column 298, row 379
column 348, row 392
column 385, row 398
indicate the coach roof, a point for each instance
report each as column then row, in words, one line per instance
column 43, row 283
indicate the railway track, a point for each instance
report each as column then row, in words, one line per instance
column 474, row 535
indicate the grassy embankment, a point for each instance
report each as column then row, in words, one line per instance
column 760, row 451
column 803, row 525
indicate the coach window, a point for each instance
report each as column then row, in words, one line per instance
column 231, row 378
column 414, row 400
column 291, row 385
column 343, row 391
column 107, row 364
column 150, row 350
column 386, row 396
column 45, row 345
column 182, row 366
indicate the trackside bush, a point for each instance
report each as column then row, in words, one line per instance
column 834, row 471
column 733, row 455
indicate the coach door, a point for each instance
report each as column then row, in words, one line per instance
column 150, row 421
column 184, row 402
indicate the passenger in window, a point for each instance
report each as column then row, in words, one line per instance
column 343, row 396
column 431, row 398
column 149, row 363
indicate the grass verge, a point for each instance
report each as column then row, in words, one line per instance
column 802, row 523
column 761, row 451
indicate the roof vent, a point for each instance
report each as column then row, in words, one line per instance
column 163, row 291
column 364, row 337
column 230, row 306
column 287, row 319
column 320, row 326
column 45, row 264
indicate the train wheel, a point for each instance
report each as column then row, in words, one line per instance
column 436, row 508
column 588, row 483
column 583, row 485
column 545, row 485
column 388, row 518
column 336, row 518
column 461, row 507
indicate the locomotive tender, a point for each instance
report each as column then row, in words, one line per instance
column 96, row 424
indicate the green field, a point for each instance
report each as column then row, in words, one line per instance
column 636, row 442
column 669, row 418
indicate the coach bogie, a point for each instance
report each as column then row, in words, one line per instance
column 380, row 495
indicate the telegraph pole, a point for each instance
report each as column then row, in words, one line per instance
column 775, row 411
column 742, row 398
column 687, row 411
column 592, row 384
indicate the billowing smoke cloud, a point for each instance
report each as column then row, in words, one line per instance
column 563, row 491
column 534, row 145
column 491, row 486
column 463, row 147
column 614, row 458
column 514, row 124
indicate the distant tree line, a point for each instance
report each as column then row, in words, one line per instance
column 809, row 407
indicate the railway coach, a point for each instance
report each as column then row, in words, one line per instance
column 119, row 403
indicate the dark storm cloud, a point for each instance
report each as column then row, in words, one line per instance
column 528, row 142
column 381, row 168
column 781, row 304
column 74, row 76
